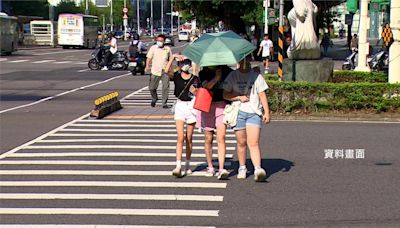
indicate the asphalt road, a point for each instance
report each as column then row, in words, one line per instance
column 304, row 188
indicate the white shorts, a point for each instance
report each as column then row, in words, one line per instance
column 184, row 111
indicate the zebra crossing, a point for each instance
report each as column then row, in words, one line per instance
column 112, row 168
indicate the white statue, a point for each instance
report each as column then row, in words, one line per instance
column 304, row 40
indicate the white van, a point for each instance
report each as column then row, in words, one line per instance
column 184, row 36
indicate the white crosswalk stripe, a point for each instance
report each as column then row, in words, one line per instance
column 89, row 154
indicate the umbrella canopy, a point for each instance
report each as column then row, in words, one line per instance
column 223, row 48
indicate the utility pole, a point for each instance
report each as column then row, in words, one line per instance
column 138, row 15
column 87, row 8
column 162, row 16
column 266, row 5
column 111, row 16
column 125, row 19
column 363, row 45
column 151, row 19
column 172, row 18
column 394, row 50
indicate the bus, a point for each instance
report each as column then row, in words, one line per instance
column 8, row 34
column 77, row 30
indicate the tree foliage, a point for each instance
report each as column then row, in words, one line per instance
column 38, row 8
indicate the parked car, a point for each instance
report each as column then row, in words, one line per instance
column 119, row 34
column 169, row 40
column 184, row 36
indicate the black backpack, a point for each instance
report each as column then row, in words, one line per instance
column 133, row 49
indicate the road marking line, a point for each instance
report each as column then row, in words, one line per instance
column 340, row 121
column 92, row 173
column 45, row 61
column 63, row 62
column 139, row 184
column 127, row 121
column 64, row 93
column 3, row 59
column 94, row 226
column 106, row 154
column 58, row 52
column 121, row 140
column 122, row 130
column 19, row 61
column 53, row 196
column 129, row 135
column 80, row 63
column 102, row 163
column 106, row 211
column 80, row 71
column 124, row 125
column 140, row 117
column 143, row 147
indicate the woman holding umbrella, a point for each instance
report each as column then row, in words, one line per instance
column 248, row 87
column 185, row 83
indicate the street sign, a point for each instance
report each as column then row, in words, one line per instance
column 101, row 3
column 125, row 16
column 387, row 35
column 125, row 10
column 348, row 19
column 125, row 21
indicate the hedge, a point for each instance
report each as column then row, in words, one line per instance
column 310, row 97
column 344, row 76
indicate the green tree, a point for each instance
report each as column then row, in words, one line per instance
column 38, row 8
column 66, row 6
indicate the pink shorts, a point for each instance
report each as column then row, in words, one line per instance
column 209, row 121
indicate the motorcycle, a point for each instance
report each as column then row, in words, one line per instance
column 137, row 64
column 379, row 61
column 351, row 61
column 119, row 60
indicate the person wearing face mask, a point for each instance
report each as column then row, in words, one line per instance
column 212, row 78
column 247, row 86
column 158, row 57
column 185, row 87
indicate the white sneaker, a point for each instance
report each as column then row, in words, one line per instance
column 104, row 68
column 260, row 175
column 210, row 172
column 222, row 174
column 177, row 172
column 188, row 171
column 242, row 173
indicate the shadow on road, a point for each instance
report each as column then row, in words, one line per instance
column 271, row 166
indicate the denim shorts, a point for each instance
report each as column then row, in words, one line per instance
column 247, row 119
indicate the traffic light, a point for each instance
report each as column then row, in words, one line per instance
column 352, row 6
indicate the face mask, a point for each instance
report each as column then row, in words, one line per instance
column 160, row 44
column 185, row 68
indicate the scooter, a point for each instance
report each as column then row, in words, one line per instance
column 351, row 60
column 137, row 64
column 380, row 61
column 119, row 60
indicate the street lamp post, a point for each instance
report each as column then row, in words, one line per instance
column 172, row 18
column 162, row 16
column 266, row 5
column 87, row 8
column 111, row 16
column 125, row 20
column 138, row 16
column 151, row 18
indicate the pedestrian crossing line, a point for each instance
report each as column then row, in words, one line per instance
column 127, row 121
column 138, row 184
column 145, row 101
column 107, row 211
column 52, row 196
column 122, row 140
column 3, row 59
column 94, row 226
column 93, row 173
column 122, row 130
column 141, row 117
column 124, row 125
column 45, row 61
column 81, row 63
column 195, row 135
column 144, row 147
column 19, row 61
column 102, row 163
column 107, row 154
